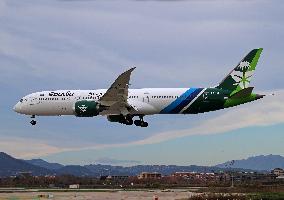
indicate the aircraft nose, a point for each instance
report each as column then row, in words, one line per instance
column 16, row 108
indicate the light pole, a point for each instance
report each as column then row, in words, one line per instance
column 232, row 175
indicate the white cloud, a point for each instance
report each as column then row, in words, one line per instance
column 27, row 148
column 60, row 40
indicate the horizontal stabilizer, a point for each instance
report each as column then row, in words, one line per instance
column 242, row 93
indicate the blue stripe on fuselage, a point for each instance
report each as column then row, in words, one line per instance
column 177, row 105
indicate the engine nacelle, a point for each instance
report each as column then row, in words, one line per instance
column 86, row 108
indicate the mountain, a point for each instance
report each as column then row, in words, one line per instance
column 75, row 170
column 10, row 166
column 261, row 162
column 44, row 164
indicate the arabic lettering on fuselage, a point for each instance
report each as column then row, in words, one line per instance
column 59, row 94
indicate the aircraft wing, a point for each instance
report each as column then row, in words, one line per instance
column 115, row 98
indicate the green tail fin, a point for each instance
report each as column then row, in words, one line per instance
column 240, row 77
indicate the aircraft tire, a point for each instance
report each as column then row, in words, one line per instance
column 144, row 124
column 137, row 123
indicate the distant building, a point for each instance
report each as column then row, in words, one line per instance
column 278, row 172
column 184, row 174
column 150, row 175
column 117, row 177
column 25, row 174
column 196, row 176
column 280, row 177
column 253, row 176
column 102, row 178
column 74, row 186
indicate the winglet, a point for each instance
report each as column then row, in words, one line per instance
column 131, row 69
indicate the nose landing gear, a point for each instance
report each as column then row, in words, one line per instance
column 33, row 122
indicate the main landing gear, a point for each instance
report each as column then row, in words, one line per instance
column 128, row 120
column 141, row 122
column 33, row 122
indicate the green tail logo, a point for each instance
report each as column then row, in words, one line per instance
column 239, row 78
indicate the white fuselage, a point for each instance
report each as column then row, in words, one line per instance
column 146, row 101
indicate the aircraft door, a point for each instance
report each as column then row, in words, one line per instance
column 146, row 97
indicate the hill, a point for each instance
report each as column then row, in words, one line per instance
column 75, row 170
column 44, row 164
column 262, row 162
column 10, row 166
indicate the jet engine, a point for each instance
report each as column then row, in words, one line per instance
column 86, row 108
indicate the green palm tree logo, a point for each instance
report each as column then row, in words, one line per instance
column 242, row 78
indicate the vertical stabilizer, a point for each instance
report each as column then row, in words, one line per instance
column 239, row 78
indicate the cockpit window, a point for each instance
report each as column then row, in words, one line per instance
column 21, row 100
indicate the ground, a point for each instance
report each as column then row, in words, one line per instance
column 100, row 195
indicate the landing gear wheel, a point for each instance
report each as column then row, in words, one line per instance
column 137, row 123
column 141, row 122
column 33, row 122
column 128, row 121
column 144, row 124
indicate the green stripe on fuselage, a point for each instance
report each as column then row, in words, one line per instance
column 211, row 99
column 215, row 99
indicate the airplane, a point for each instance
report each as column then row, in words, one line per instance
column 121, row 104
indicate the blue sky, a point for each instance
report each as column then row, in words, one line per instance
column 58, row 44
